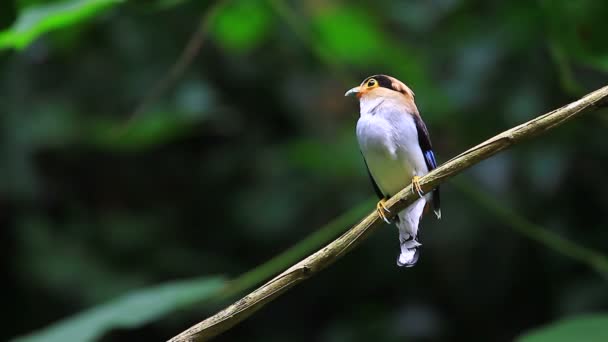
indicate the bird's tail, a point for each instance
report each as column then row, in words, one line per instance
column 407, row 224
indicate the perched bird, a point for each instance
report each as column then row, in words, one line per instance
column 397, row 150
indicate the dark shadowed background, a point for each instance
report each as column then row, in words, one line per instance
column 126, row 211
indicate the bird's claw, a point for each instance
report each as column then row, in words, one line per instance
column 416, row 188
column 382, row 210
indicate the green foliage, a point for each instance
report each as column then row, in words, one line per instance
column 302, row 249
column 129, row 311
column 578, row 29
column 353, row 36
column 38, row 19
column 588, row 328
column 350, row 35
column 242, row 25
column 239, row 160
column 595, row 260
column 152, row 130
column 319, row 157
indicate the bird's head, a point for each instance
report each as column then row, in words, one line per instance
column 380, row 86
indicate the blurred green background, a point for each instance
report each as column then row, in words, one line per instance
column 133, row 198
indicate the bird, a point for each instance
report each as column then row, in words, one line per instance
column 397, row 151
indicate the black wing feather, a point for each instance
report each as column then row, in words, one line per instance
column 424, row 141
column 371, row 178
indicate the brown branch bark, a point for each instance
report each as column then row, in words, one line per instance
column 304, row 269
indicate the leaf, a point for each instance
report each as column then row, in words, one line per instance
column 350, row 35
column 129, row 311
column 36, row 20
column 167, row 4
column 151, row 130
column 588, row 328
column 577, row 28
column 242, row 25
column 353, row 35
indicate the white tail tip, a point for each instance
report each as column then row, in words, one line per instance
column 408, row 257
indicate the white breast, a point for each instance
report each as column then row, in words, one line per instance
column 389, row 142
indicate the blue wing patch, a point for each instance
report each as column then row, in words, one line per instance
column 429, row 156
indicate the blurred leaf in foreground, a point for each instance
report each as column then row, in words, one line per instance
column 129, row 311
column 242, row 25
column 153, row 129
column 589, row 328
column 36, row 20
column 351, row 35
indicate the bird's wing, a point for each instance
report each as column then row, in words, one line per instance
column 424, row 141
column 371, row 178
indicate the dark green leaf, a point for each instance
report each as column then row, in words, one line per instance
column 588, row 328
column 350, row 35
column 148, row 130
column 129, row 311
column 36, row 20
column 242, row 25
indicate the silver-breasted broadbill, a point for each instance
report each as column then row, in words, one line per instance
column 397, row 150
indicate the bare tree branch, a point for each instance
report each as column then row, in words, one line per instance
column 304, row 269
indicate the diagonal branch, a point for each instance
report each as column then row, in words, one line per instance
column 304, row 269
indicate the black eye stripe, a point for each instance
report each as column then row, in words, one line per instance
column 382, row 80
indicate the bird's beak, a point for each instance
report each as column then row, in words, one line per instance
column 353, row 92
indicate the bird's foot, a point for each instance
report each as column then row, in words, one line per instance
column 416, row 188
column 382, row 210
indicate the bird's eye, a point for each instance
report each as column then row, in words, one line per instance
column 371, row 83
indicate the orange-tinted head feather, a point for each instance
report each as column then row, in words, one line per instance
column 387, row 86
